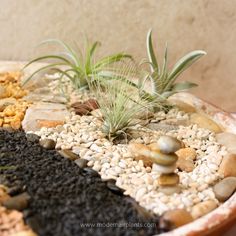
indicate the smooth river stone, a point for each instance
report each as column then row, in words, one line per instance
column 18, row 202
column 163, row 169
column 169, row 190
column 228, row 166
column 168, row 179
column 154, row 156
column 68, row 154
column 168, row 144
column 176, row 218
column 204, row 122
column 163, row 159
column 187, row 153
column 225, row 188
column 228, row 140
column 203, row 208
column 48, row 144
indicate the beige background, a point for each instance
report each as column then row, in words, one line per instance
column 122, row 25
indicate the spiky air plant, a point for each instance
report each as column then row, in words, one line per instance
column 79, row 67
column 119, row 102
column 163, row 80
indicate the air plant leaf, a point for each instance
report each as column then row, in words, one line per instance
column 185, row 85
column 184, row 63
column 151, row 53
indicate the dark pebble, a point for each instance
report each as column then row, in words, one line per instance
column 90, row 172
column 111, row 185
column 48, row 144
column 82, row 163
column 18, row 202
column 32, row 138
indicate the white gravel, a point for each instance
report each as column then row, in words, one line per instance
column 82, row 134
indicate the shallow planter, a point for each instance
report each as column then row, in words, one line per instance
column 219, row 219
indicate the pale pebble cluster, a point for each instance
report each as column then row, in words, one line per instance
column 83, row 135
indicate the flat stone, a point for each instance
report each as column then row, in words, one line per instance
column 162, row 127
column 82, row 163
column 168, row 144
column 169, row 190
column 203, row 208
column 49, row 144
column 43, row 112
column 168, row 179
column 163, row 169
column 68, row 154
column 228, row 140
column 176, row 122
column 228, row 166
column 175, row 218
column 225, row 188
column 204, row 122
column 18, row 202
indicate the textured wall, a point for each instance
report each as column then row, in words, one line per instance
column 122, row 25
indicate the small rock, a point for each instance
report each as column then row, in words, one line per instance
column 68, row 154
column 48, row 144
column 225, row 188
column 187, row 153
column 168, row 179
column 85, row 107
column 203, row 208
column 32, row 138
column 163, row 169
column 162, row 127
column 228, row 166
column 169, row 190
column 155, row 156
column 168, row 144
column 140, row 193
column 175, row 218
column 183, row 106
column 204, row 122
column 111, row 184
column 228, row 140
column 3, row 92
column 82, row 163
column 18, row 202
column 185, row 165
column 89, row 171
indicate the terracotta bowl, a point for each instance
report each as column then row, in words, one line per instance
column 217, row 222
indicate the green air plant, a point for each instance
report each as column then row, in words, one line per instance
column 120, row 103
column 78, row 67
column 163, row 80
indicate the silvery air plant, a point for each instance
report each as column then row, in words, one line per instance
column 163, row 79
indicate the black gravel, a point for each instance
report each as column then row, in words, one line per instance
column 64, row 198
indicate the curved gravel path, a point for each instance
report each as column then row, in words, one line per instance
column 64, row 198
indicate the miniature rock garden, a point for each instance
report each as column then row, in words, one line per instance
column 104, row 147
